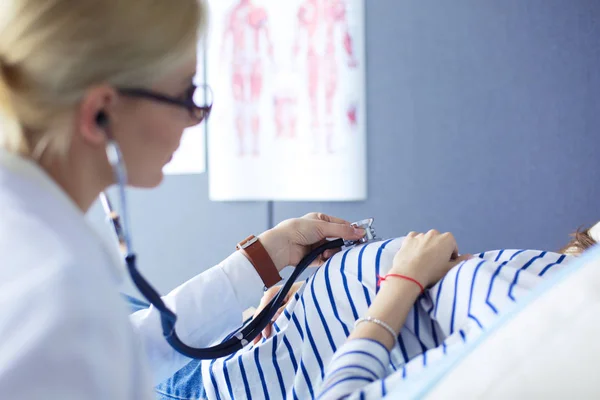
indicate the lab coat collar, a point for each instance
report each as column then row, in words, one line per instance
column 30, row 170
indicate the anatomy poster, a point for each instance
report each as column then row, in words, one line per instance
column 190, row 157
column 288, row 120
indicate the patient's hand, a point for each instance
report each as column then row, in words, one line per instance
column 267, row 297
column 427, row 257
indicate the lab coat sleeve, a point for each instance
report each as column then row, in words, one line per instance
column 209, row 306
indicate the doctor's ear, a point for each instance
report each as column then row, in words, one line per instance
column 94, row 121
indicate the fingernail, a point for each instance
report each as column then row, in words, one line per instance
column 359, row 231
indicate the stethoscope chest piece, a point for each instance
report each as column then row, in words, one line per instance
column 370, row 235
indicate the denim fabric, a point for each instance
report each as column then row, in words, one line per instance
column 135, row 304
column 186, row 384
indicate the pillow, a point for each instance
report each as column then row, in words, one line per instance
column 594, row 232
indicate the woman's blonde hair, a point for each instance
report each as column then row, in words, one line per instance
column 51, row 51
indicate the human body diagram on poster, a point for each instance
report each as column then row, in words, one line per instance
column 289, row 78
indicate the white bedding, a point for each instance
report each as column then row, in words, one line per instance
column 548, row 347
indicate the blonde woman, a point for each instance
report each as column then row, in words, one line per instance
column 75, row 74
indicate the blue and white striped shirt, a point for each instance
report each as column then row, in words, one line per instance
column 297, row 361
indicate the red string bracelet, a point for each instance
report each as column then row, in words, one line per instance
column 408, row 278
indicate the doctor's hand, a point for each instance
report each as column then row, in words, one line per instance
column 267, row 297
column 293, row 239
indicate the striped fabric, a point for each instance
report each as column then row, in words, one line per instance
column 297, row 362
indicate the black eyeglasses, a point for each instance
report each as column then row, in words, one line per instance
column 197, row 99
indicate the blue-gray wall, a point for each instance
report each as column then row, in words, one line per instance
column 483, row 119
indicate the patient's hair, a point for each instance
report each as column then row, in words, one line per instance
column 581, row 240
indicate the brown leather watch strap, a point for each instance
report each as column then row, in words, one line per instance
column 260, row 259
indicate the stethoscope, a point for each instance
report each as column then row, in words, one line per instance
column 236, row 340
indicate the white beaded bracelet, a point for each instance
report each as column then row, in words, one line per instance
column 377, row 322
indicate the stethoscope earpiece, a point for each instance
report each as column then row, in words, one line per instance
column 102, row 119
column 112, row 149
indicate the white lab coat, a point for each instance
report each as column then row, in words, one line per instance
column 65, row 332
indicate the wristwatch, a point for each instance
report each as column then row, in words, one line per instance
column 260, row 259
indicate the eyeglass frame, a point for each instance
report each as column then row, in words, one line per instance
column 188, row 103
